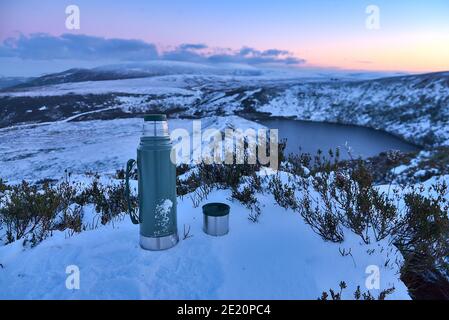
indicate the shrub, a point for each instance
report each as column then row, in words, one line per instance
column 29, row 211
column 358, row 295
column 72, row 218
column 221, row 176
column 33, row 212
column 283, row 193
column 414, row 219
column 108, row 200
column 182, row 169
column 423, row 232
column 3, row 187
column 298, row 164
column 324, row 223
column 247, row 197
column 347, row 197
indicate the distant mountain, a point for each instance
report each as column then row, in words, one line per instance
column 6, row 82
column 166, row 68
column 131, row 71
column 76, row 75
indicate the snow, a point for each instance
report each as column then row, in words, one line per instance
column 420, row 173
column 45, row 151
column 159, row 77
column 162, row 216
column 277, row 258
column 153, row 85
column 400, row 169
column 412, row 107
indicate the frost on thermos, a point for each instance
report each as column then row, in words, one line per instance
column 156, row 186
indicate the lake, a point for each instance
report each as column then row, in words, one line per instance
column 311, row 136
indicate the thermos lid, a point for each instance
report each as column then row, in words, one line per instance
column 216, row 209
column 155, row 117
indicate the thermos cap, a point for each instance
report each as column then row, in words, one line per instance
column 155, row 117
column 216, row 219
column 216, row 209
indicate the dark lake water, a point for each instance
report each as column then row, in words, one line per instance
column 311, row 136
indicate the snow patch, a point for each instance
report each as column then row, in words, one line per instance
column 162, row 216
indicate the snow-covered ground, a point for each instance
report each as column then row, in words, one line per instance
column 45, row 151
column 171, row 77
column 154, row 85
column 278, row 258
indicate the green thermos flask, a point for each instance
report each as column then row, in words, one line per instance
column 156, row 186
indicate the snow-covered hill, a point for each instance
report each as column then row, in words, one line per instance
column 134, row 70
column 165, row 68
column 414, row 107
column 41, row 152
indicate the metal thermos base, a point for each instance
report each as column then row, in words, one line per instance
column 159, row 243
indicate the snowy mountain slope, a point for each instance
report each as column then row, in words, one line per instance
column 170, row 67
column 146, row 85
column 414, row 107
column 45, row 151
column 278, row 258
column 135, row 70
column 76, row 75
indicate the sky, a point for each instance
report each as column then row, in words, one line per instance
column 406, row 35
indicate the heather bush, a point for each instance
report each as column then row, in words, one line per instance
column 28, row 210
column 246, row 196
column 422, row 235
column 358, row 294
column 109, row 200
column 348, row 198
column 283, row 193
column 33, row 211
column 340, row 196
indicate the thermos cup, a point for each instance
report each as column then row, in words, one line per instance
column 156, row 186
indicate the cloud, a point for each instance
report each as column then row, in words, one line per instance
column 192, row 46
column 83, row 47
column 203, row 53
